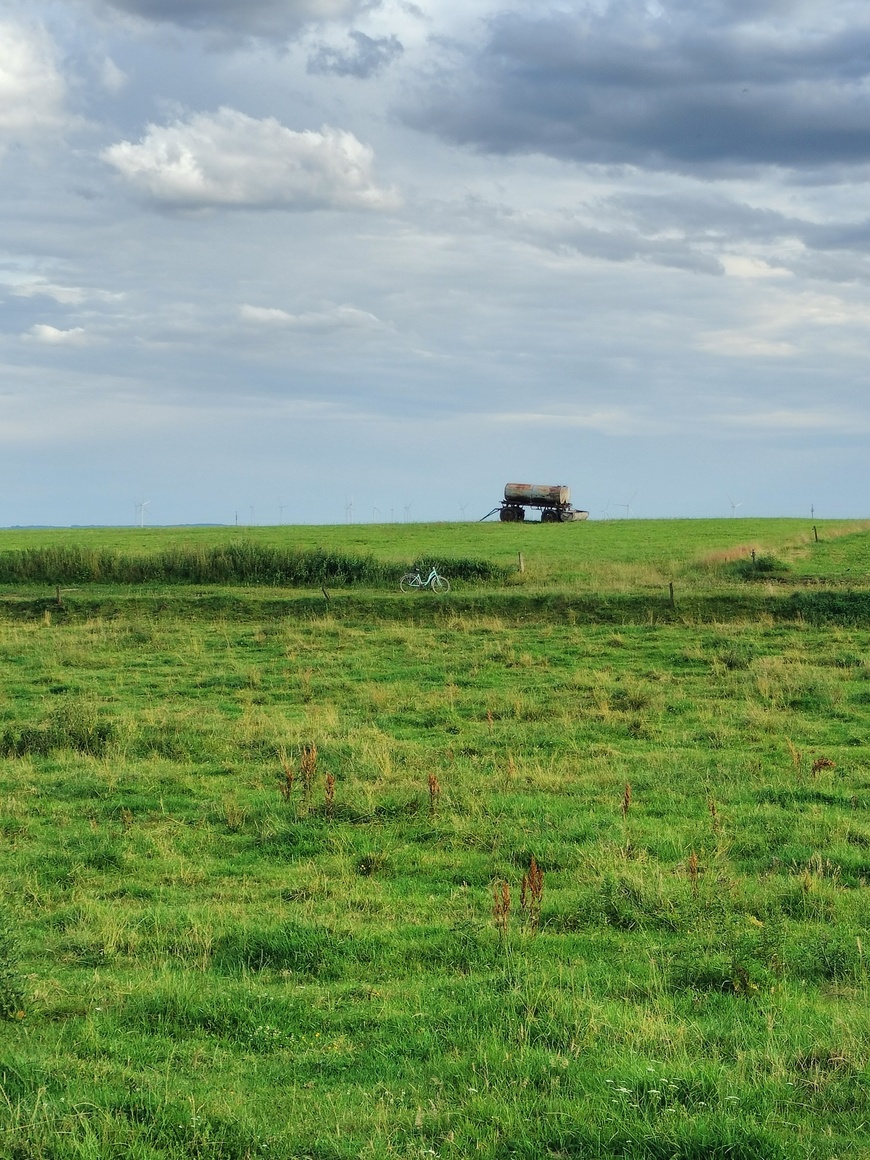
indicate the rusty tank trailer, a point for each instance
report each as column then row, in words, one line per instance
column 552, row 500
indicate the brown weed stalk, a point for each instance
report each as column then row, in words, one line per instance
column 795, row 755
column 501, row 908
column 531, row 894
column 286, row 776
column 308, row 764
column 822, row 763
column 693, row 871
column 434, row 794
column 714, row 815
column 626, row 800
column 330, row 795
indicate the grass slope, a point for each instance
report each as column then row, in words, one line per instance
column 195, row 963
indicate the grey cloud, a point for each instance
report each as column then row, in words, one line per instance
column 567, row 233
column 708, row 216
column 687, row 230
column 689, row 87
column 853, row 236
column 830, row 266
column 274, row 19
column 833, row 251
column 369, row 55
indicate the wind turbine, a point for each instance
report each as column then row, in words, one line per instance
column 627, row 506
column 141, row 505
column 462, row 508
column 282, row 507
column 375, row 511
column 734, row 506
column 348, row 511
column 408, row 507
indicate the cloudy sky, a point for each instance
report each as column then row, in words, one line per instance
column 268, row 259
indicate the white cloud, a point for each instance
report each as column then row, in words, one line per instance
column 823, row 310
column 743, row 344
column 51, row 336
column 743, row 266
column 785, row 324
column 232, row 160
column 266, row 315
column 32, row 89
column 67, row 295
column 339, row 318
column 786, row 420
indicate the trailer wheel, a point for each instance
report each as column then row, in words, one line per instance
column 548, row 516
column 512, row 514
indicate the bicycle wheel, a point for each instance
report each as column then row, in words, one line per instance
column 409, row 582
column 440, row 584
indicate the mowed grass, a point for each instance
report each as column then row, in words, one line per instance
column 198, row 958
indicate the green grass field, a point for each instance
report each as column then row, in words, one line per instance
column 218, row 943
column 602, row 554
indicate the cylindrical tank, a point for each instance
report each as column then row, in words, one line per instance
column 537, row 493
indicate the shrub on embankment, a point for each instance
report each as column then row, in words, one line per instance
column 242, row 562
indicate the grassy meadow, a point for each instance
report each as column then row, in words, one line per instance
column 295, row 866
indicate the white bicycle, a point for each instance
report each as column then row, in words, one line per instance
column 412, row 581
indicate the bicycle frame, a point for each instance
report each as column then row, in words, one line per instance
column 419, row 582
column 434, row 580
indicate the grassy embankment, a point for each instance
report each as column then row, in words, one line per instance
column 198, row 964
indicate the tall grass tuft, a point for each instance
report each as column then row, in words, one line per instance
column 240, row 562
column 11, row 981
column 75, row 724
column 463, row 568
column 795, row 755
column 757, row 567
